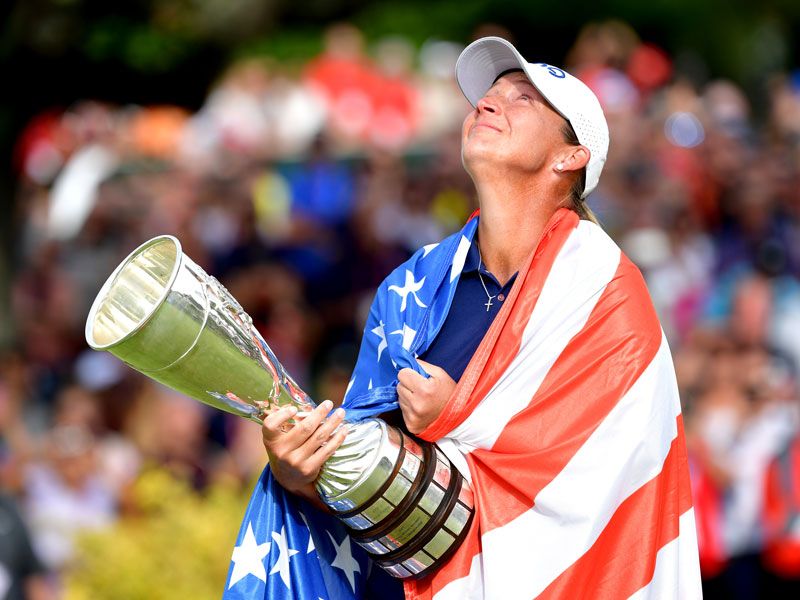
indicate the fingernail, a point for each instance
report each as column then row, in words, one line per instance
column 328, row 404
column 339, row 412
column 293, row 410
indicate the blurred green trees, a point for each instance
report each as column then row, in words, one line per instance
column 173, row 543
column 732, row 36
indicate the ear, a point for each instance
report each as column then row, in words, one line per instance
column 572, row 158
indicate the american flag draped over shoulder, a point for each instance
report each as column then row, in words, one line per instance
column 567, row 421
column 286, row 548
column 569, row 418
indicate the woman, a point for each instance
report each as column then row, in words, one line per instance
column 535, row 361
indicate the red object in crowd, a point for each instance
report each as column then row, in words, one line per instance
column 338, row 75
column 781, row 517
column 649, row 67
column 394, row 104
column 344, row 83
column 708, row 519
column 42, row 131
column 364, row 103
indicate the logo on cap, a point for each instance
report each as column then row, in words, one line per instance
column 554, row 71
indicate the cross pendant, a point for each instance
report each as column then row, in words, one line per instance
column 488, row 303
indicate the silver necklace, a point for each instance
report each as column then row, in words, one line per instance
column 488, row 304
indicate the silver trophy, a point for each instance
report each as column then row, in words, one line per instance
column 400, row 497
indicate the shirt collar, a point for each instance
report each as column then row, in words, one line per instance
column 473, row 258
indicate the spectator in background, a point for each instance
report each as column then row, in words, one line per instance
column 321, row 202
column 22, row 574
column 172, row 432
column 781, row 516
column 743, row 410
column 64, row 495
column 344, row 76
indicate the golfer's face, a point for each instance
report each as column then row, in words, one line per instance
column 512, row 126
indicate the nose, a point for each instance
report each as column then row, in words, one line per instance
column 488, row 104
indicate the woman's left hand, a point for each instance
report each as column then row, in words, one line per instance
column 423, row 398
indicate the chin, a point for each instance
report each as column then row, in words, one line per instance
column 476, row 156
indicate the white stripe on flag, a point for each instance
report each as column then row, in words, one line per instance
column 465, row 588
column 627, row 450
column 677, row 574
column 584, row 266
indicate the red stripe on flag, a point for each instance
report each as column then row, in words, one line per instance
column 501, row 342
column 623, row 559
column 595, row 370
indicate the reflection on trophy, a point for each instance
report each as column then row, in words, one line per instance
column 400, row 497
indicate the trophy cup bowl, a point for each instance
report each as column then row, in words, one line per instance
column 400, row 498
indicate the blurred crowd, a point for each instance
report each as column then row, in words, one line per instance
column 301, row 188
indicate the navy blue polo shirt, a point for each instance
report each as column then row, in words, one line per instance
column 462, row 332
column 468, row 319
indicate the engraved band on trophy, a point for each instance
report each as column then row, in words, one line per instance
column 401, row 498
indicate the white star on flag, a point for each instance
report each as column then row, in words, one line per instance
column 311, row 546
column 460, row 258
column 409, row 287
column 344, row 560
column 285, row 553
column 426, row 249
column 381, row 334
column 248, row 558
column 408, row 335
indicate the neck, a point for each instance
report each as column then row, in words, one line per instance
column 512, row 220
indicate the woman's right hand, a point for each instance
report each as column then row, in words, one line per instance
column 297, row 452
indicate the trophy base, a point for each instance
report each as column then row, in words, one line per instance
column 410, row 509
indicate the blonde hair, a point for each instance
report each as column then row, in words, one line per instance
column 575, row 202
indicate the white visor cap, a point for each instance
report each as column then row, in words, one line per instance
column 483, row 60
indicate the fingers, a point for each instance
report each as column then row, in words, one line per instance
column 431, row 369
column 275, row 425
column 325, row 451
column 274, row 422
column 410, row 378
column 408, row 405
column 322, row 434
column 411, row 386
column 404, row 391
column 304, row 428
column 421, row 398
column 297, row 455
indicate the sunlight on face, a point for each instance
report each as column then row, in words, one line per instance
column 512, row 128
